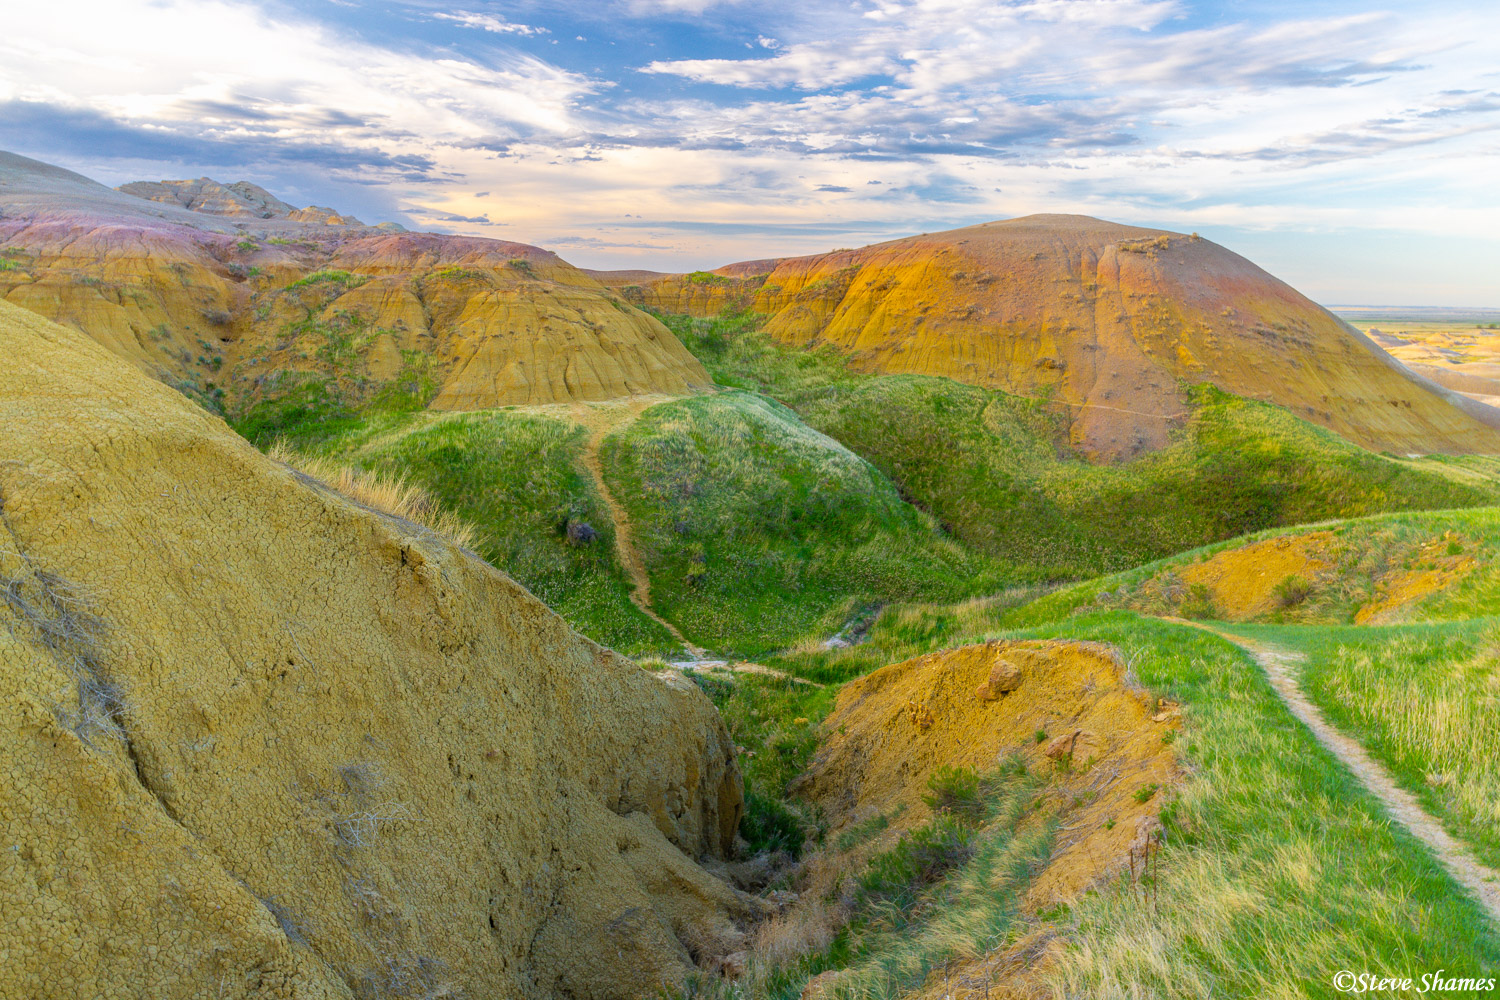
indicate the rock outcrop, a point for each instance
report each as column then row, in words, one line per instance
column 238, row 199
column 258, row 741
column 237, row 306
column 1101, row 319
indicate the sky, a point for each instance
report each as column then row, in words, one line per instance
column 1349, row 148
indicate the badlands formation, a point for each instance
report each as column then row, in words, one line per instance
column 192, row 285
column 261, row 742
column 1104, row 320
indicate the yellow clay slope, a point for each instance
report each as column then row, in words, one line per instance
column 260, row 742
column 196, row 301
column 891, row 729
column 1101, row 319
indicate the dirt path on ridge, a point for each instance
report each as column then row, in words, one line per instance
column 598, row 420
column 1403, row 807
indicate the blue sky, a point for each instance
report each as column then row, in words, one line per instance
column 1350, row 148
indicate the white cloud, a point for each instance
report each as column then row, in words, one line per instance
column 878, row 116
column 146, row 63
column 489, row 22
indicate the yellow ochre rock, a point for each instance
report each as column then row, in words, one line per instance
column 260, row 742
column 246, row 309
column 1099, row 319
column 1080, row 694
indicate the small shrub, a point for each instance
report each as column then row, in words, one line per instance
column 860, row 832
column 769, row 825
column 1292, row 591
column 956, row 791
column 1041, row 736
column 1143, row 795
column 1199, row 603
column 1455, row 548
column 332, row 277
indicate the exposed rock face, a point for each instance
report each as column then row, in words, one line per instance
column 207, row 195
column 1101, row 318
column 872, row 761
column 241, row 310
column 238, row 199
column 259, row 742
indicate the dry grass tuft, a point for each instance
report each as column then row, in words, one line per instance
column 389, row 494
column 802, row 931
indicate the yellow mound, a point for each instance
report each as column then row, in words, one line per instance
column 893, row 728
column 1102, row 319
column 1242, row 583
column 484, row 323
column 1398, row 591
column 260, row 742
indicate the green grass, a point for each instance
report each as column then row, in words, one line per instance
column 758, row 531
column 1278, row 869
column 1361, row 551
column 304, row 409
column 517, row 477
column 998, row 471
column 1424, row 700
column 775, row 721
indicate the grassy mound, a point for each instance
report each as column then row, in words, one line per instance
column 759, row 531
column 997, row 469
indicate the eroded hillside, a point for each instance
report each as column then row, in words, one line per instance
column 238, row 309
column 262, row 742
column 1104, row 321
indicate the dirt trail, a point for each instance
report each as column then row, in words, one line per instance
column 1278, row 664
column 601, row 421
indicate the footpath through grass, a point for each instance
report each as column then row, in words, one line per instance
column 1278, row 869
column 518, row 479
column 1425, row 701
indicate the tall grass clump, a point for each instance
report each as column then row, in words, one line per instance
column 390, row 493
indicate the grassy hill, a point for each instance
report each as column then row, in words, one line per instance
column 518, row 479
column 755, row 530
column 758, row 530
column 999, row 472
